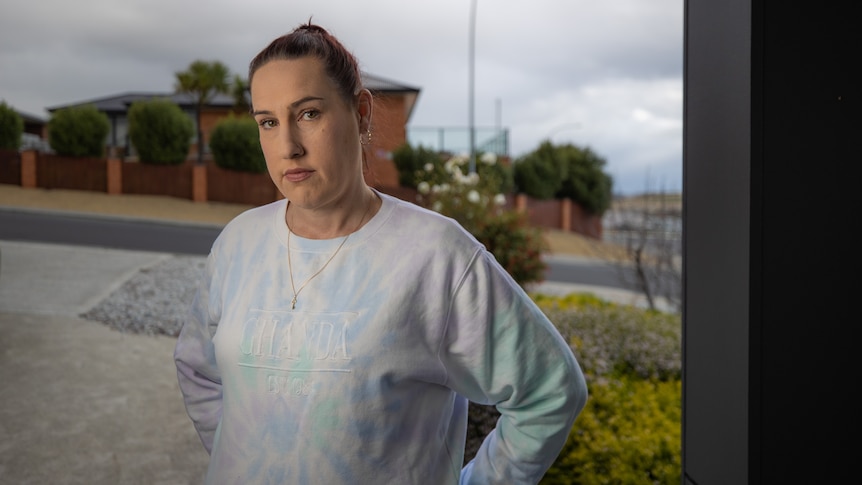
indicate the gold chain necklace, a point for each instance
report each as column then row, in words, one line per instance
column 290, row 265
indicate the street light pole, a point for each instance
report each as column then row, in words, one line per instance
column 471, row 74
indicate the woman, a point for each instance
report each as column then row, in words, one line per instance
column 338, row 334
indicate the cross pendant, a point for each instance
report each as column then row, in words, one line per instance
column 293, row 303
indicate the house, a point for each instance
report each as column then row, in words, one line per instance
column 394, row 104
column 35, row 132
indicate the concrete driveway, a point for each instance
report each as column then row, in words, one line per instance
column 81, row 403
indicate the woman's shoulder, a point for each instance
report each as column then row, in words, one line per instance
column 257, row 214
column 252, row 222
column 425, row 226
column 411, row 213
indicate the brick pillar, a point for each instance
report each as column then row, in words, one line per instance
column 521, row 203
column 115, row 176
column 199, row 183
column 28, row 169
column 566, row 215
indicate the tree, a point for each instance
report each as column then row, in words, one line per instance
column 160, row 131
column 79, row 131
column 649, row 228
column 538, row 174
column 11, row 127
column 238, row 91
column 203, row 80
column 565, row 171
column 586, row 182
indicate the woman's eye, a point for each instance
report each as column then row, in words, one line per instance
column 265, row 124
column 310, row 114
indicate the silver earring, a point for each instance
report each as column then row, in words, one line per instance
column 366, row 140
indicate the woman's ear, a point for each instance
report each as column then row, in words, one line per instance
column 364, row 105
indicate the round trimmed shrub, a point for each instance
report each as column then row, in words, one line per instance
column 78, row 131
column 235, row 145
column 160, row 132
column 11, row 127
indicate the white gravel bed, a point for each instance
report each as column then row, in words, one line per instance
column 153, row 301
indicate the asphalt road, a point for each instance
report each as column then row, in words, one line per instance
column 196, row 239
column 107, row 232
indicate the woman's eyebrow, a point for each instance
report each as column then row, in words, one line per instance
column 294, row 104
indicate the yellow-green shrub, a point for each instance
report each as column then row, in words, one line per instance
column 628, row 433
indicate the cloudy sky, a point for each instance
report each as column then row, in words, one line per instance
column 605, row 75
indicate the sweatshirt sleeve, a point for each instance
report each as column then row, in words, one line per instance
column 501, row 350
column 194, row 355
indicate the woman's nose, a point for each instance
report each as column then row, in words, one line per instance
column 292, row 143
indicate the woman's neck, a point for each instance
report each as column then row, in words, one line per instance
column 335, row 222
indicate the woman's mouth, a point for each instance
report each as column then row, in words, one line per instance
column 297, row 174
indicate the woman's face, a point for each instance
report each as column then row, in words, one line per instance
column 308, row 133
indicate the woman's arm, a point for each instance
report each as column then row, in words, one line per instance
column 500, row 349
column 197, row 372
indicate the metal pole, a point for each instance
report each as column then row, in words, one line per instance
column 472, row 83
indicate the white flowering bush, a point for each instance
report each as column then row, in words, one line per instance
column 450, row 188
column 477, row 200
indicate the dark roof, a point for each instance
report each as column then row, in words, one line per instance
column 376, row 83
column 119, row 103
column 379, row 85
column 28, row 118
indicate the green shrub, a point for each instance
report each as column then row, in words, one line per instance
column 586, row 183
column 410, row 161
column 160, row 131
column 538, row 174
column 514, row 244
column 11, row 127
column 565, row 172
column 630, row 429
column 78, row 131
column 611, row 339
column 629, row 432
column 235, row 145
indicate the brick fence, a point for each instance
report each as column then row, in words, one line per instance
column 208, row 182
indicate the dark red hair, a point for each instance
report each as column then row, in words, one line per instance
column 313, row 40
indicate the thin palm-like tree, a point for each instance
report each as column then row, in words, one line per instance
column 238, row 91
column 203, row 80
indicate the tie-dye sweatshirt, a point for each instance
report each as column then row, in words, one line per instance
column 367, row 379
